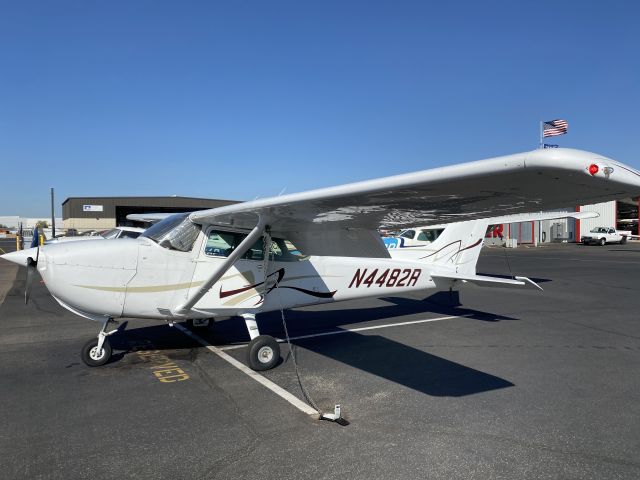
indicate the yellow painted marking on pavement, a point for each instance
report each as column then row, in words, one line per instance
column 162, row 367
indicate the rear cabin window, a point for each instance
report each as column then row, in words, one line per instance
column 430, row 235
column 221, row 244
column 408, row 234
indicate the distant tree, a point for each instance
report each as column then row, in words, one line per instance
column 42, row 224
column 2, row 225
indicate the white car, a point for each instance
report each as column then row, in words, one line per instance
column 603, row 235
column 118, row 232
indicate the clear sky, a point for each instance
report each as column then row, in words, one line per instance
column 246, row 99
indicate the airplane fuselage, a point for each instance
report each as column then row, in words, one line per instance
column 138, row 278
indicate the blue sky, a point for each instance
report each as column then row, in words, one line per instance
column 243, row 99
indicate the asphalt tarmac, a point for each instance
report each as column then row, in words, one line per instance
column 519, row 384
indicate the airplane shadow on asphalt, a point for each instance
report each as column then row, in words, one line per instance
column 375, row 354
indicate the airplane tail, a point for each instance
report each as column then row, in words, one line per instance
column 458, row 247
column 454, row 255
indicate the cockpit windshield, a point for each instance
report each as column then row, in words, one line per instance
column 113, row 233
column 175, row 232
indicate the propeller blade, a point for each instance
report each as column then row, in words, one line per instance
column 31, row 270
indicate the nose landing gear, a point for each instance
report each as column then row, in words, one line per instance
column 97, row 351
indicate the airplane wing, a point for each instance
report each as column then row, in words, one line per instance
column 344, row 219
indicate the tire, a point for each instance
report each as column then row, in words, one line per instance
column 584, row 242
column 623, row 241
column 90, row 358
column 602, row 242
column 263, row 353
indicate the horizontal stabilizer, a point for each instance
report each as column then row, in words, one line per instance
column 450, row 279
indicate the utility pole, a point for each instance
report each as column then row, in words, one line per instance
column 53, row 217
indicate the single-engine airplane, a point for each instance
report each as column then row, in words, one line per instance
column 313, row 247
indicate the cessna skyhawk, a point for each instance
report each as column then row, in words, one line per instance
column 314, row 247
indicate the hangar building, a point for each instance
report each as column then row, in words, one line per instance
column 101, row 213
column 621, row 214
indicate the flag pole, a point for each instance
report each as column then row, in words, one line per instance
column 541, row 132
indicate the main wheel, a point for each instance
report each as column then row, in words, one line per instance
column 603, row 242
column 94, row 358
column 263, row 353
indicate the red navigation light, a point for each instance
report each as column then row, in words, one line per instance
column 593, row 169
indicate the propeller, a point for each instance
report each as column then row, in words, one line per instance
column 31, row 270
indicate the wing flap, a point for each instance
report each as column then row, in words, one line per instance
column 352, row 242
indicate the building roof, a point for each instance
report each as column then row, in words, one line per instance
column 145, row 198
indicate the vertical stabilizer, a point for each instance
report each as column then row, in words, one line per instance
column 457, row 248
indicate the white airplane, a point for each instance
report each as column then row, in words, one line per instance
column 314, row 247
column 421, row 237
column 111, row 234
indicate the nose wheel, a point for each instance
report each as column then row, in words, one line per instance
column 95, row 356
column 97, row 351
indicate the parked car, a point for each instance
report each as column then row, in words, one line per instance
column 604, row 235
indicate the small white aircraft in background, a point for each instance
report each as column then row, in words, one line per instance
column 111, row 234
column 314, row 247
column 421, row 237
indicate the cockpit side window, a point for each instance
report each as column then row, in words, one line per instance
column 221, row 244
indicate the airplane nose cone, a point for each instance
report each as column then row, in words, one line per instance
column 20, row 256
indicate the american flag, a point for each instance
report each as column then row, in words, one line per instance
column 555, row 127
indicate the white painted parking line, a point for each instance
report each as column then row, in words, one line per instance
column 350, row 330
column 292, row 399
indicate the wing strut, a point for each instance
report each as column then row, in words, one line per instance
column 240, row 250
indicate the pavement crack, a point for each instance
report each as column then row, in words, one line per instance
column 613, row 332
column 255, row 437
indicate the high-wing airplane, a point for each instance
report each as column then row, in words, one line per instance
column 313, row 247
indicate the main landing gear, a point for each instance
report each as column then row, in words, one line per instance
column 263, row 352
column 97, row 351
